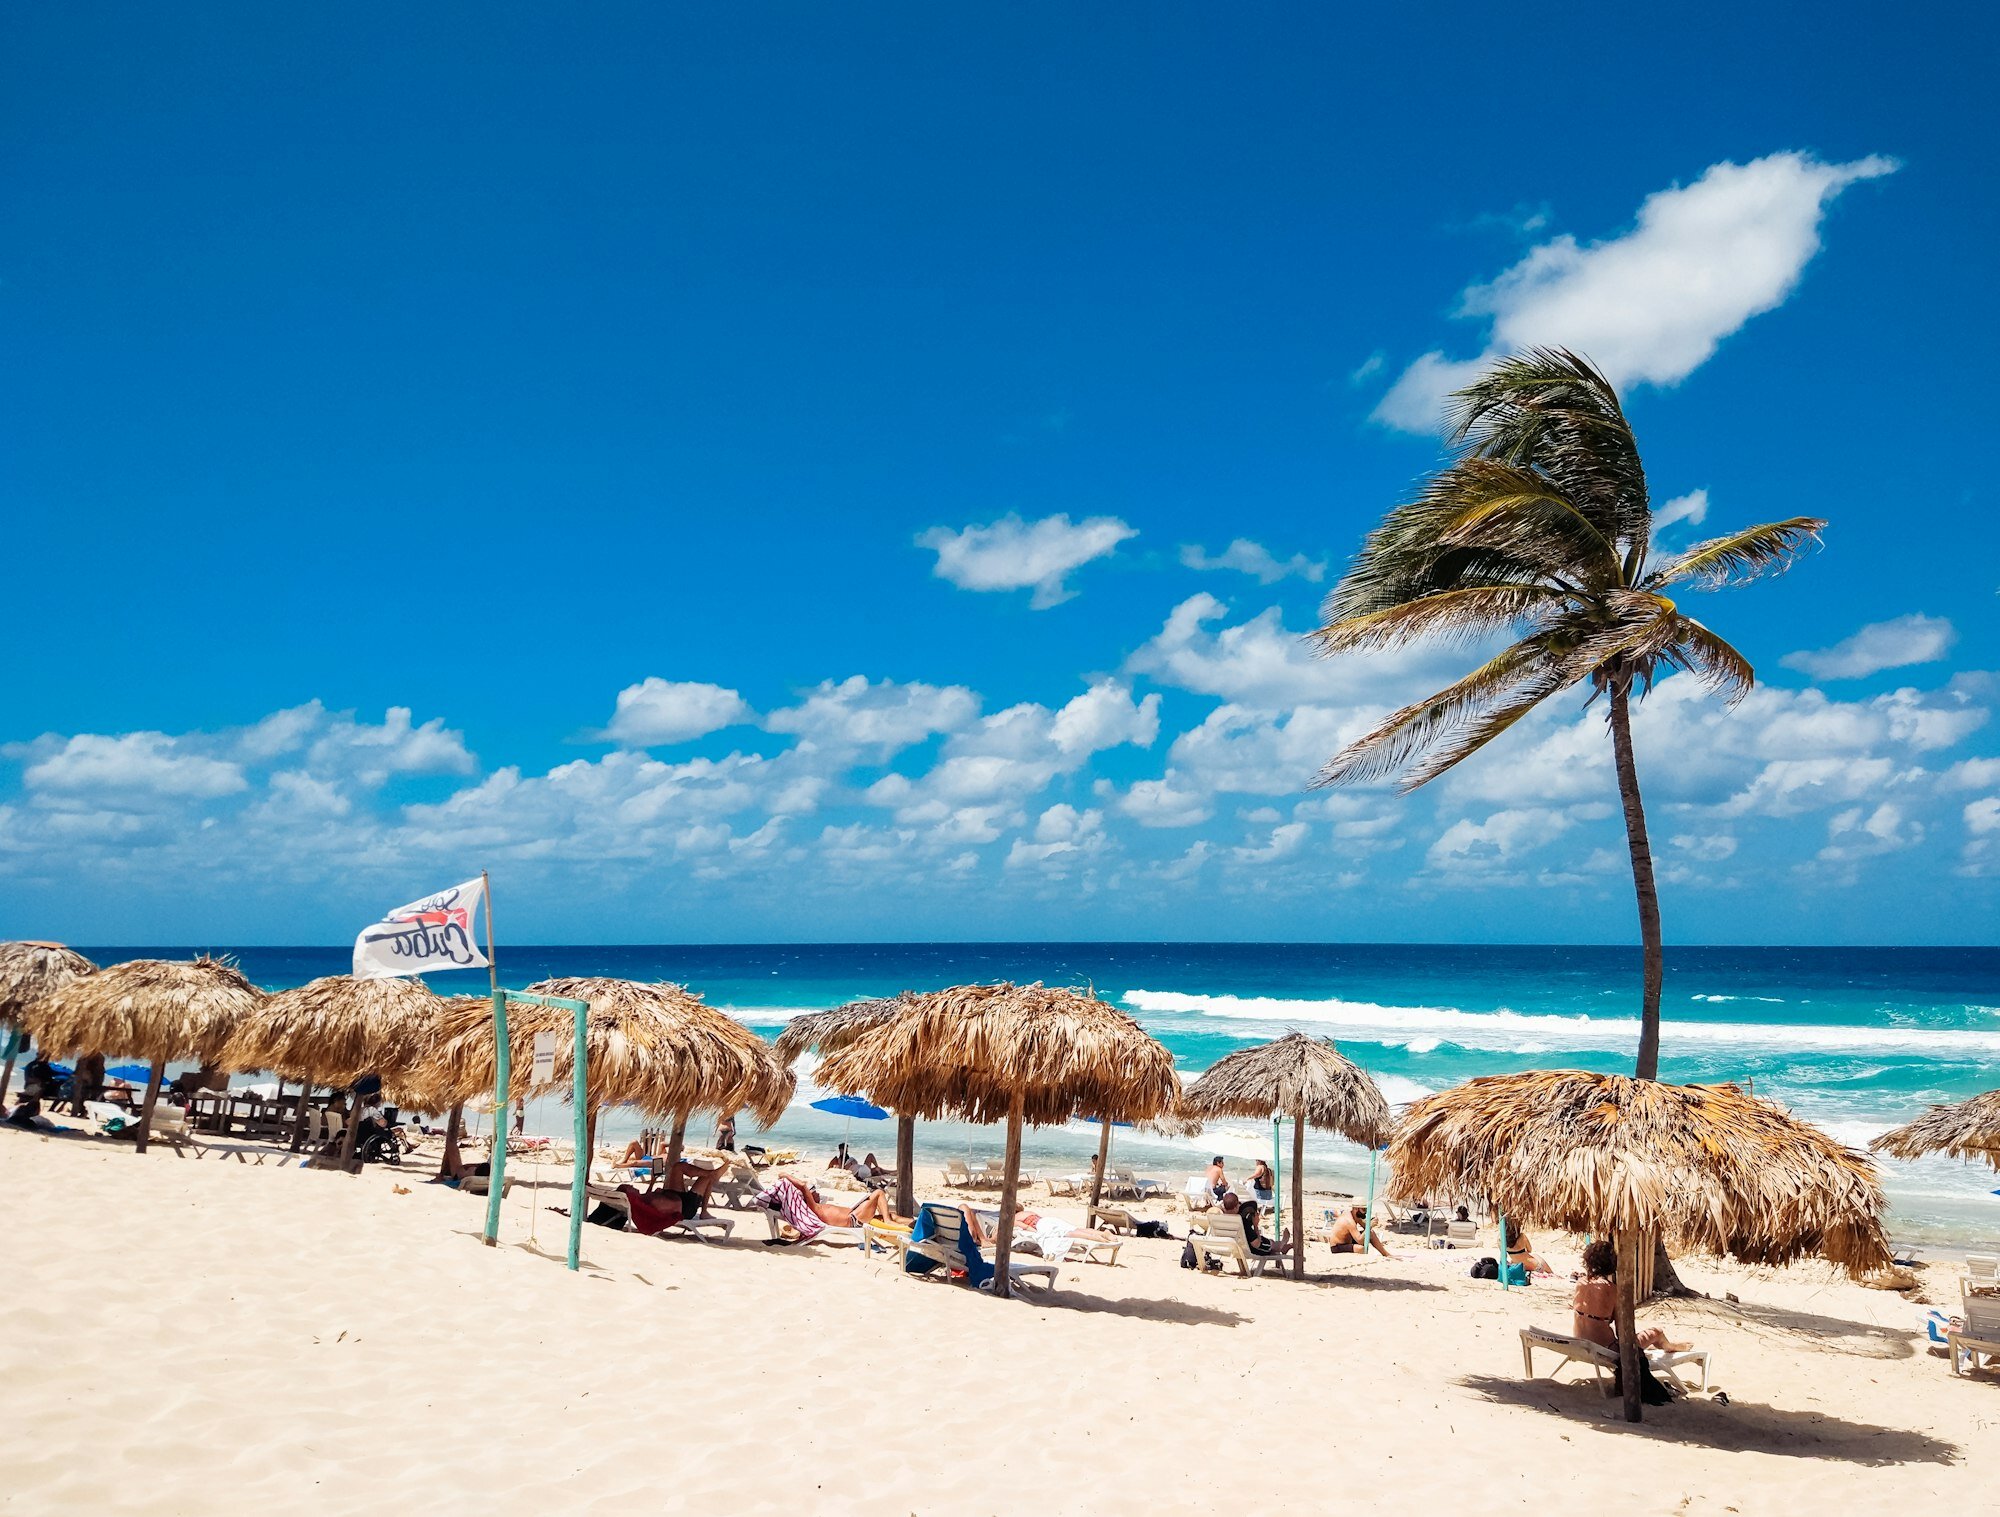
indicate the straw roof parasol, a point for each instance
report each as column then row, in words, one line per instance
column 1308, row 1080
column 158, row 1010
column 824, row 1031
column 1709, row 1167
column 29, row 971
column 1969, row 1130
column 657, row 1047
column 1022, row 1053
column 333, row 1030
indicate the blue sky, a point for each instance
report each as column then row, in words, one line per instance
column 772, row 475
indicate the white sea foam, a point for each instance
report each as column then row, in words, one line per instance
column 1505, row 1030
column 1419, row 1045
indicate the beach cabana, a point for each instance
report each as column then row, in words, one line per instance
column 822, row 1032
column 1709, row 1168
column 336, row 1029
column 1969, row 1130
column 1022, row 1054
column 1308, row 1080
column 656, row 1047
column 159, row 1010
column 29, row 971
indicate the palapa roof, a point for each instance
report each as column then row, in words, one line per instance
column 151, row 1009
column 824, row 1031
column 336, row 1029
column 657, row 1047
column 1711, row 1167
column 1298, row 1076
column 1969, row 1130
column 968, row 1051
column 29, row 971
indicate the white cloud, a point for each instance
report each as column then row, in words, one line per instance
column 1251, row 752
column 1467, row 847
column 1063, row 835
column 1981, row 855
column 138, row 763
column 658, row 712
column 1906, row 640
column 1708, row 848
column 1247, row 557
column 1859, row 833
column 1166, row 802
column 1691, row 508
column 1283, row 841
column 883, row 718
column 1012, row 554
column 1650, row 304
column 374, row 752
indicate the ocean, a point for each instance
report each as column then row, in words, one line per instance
column 1856, row 1040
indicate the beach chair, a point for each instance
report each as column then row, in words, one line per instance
column 1462, row 1234
column 1982, row 1273
column 479, row 1185
column 739, row 1184
column 1066, row 1185
column 1602, row 1360
column 995, row 1174
column 1197, row 1193
column 833, row 1237
column 1222, row 1237
column 169, row 1126
column 944, row 1244
column 957, row 1176
column 1976, row 1346
column 1132, row 1185
column 641, row 1216
column 1074, row 1250
column 1116, row 1218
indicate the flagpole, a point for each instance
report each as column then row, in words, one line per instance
column 496, row 1175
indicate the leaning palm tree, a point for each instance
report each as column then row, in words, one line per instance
column 1541, row 528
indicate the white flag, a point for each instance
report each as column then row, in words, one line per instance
column 434, row 933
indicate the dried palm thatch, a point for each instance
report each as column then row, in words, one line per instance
column 1308, row 1080
column 29, row 971
column 1022, row 1053
column 158, row 1010
column 1707, row 1167
column 336, row 1029
column 1969, row 1130
column 824, row 1031
column 657, row 1047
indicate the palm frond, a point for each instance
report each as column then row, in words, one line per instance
column 1741, row 556
column 1714, row 661
column 1449, row 615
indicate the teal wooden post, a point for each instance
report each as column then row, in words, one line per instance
column 1277, row 1178
column 1368, row 1220
column 496, row 1171
column 581, row 1113
column 1503, row 1250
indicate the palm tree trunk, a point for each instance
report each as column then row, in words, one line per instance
column 1097, row 1179
column 454, row 1122
column 1648, row 1065
column 906, row 1166
column 1003, row 1237
column 159, row 1072
column 1628, row 1332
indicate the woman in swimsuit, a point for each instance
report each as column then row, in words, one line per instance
column 874, row 1207
column 1596, row 1303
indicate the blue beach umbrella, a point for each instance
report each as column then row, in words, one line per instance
column 131, row 1074
column 850, row 1107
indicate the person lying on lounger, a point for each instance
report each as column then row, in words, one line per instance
column 1346, row 1236
column 690, row 1181
column 874, row 1207
column 1054, row 1235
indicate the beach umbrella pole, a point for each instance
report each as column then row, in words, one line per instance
column 305, row 1110
column 7, row 1075
column 1504, row 1284
column 1368, row 1217
column 1628, row 1333
column 352, row 1130
column 1003, row 1242
column 1298, row 1199
column 906, row 1166
column 153, row 1079
column 496, row 1171
column 454, row 1129
column 1103, row 1159
column 584, row 1120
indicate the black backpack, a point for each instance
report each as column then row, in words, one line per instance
column 1486, row 1269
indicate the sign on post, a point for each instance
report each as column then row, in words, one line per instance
column 545, row 1059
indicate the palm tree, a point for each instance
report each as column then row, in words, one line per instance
column 1541, row 528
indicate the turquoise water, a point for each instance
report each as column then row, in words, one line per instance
column 1854, row 1039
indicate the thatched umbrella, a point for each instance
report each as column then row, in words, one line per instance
column 1025, row 1053
column 1308, row 1080
column 656, row 1047
column 824, row 1031
column 1969, row 1130
column 333, row 1030
column 29, row 971
column 155, row 1009
column 1706, row 1167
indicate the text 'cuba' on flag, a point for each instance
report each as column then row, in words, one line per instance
column 434, row 933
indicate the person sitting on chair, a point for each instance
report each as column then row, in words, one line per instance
column 1218, row 1178
column 1594, row 1311
column 1260, row 1242
column 1520, row 1251
column 1347, row 1237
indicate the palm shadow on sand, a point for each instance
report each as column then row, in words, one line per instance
column 1739, row 1426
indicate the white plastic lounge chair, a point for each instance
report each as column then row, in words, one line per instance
column 1066, row 1185
column 479, row 1185
column 946, row 1247
column 1462, row 1234
column 169, row 1126
column 1116, row 1218
column 957, row 1175
column 1982, row 1272
column 1976, row 1346
column 833, row 1237
column 1602, row 1360
column 1133, row 1184
column 1197, row 1194
column 1075, row 1250
column 995, row 1174
column 693, row 1227
column 1223, row 1238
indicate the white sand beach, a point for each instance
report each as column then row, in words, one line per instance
column 199, row 1335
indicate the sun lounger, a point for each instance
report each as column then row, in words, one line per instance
column 1134, row 1185
column 957, row 1176
column 1197, row 1194
column 1982, row 1272
column 1066, row 1185
column 623, row 1198
column 1115, row 1218
column 1222, row 1237
column 1462, row 1234
column 849, row 1237
column 944, row 1244
column 479, row 1185
column 1976, row 1346
column 1073, row 1250
column 1568, row 1350
column 168, row 1127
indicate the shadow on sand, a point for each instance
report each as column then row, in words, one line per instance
column 1735, row 1427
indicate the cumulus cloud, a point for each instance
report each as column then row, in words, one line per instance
column 137, row 763
column 1256, row 560
column 1651, row 304
column 1165, row 802
column 658, row 712
column 882, row 718
column 1863, row 833
column 1894, row 644
column 1691, row 508
column 1012, row 554
column 1495, row 845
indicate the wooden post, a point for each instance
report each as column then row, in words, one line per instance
column 454, row 1124
column 305, row 1109
column 1103, row 1158
column 584, row 1126
column 906, row 1166
column 351, row 1132
column 1628, row 1333
column 676, row 1141
column 152, row 1099
column 1003, row 1240
column 1298, row 1199
column 1368, row 1217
